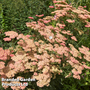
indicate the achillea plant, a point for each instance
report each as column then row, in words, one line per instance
column 50, row 55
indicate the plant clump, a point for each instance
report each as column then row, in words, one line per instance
column 52, row 54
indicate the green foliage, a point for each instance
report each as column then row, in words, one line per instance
column 1, row 18
column 77, row 3
column 85, row 37
column 16, row 13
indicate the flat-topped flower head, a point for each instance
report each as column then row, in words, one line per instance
column 40, row 15
column 12, row 34
column 7, row 39
column 28, row 36
column 2, row 65
column 87, row 25
column 70, row 21
column 85, row 6
column 31, row 17
column 74, row 38
column 51, row 6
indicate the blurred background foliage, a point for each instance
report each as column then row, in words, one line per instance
column 16, row 13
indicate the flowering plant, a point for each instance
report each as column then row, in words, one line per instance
column 54, row 53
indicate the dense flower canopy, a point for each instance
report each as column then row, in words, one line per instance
column 47, row 56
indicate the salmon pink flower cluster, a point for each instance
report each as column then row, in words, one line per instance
column 12, row 34
column 85, row 6
column 31, row 17
column 7, row 39
column 70, row 21
column 4, row 54
column 74, row 38
column 51, row 6
column 40, row 15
